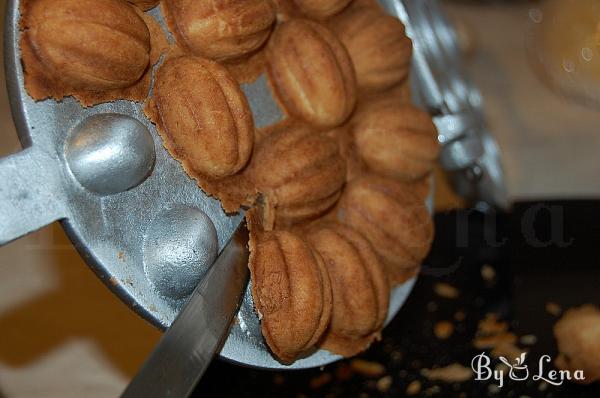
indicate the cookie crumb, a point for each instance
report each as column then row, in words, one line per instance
column 443, row 330
column 344, row 372
column 452, row 373
column 445, row 290
column 488, row 273
column 396, row 356
column 433, row 390
column 367, row 368
column 528, row 339
column 413, row 388
column 384, row 384
column 553, row 309
column 493, row 389
column 319, row 381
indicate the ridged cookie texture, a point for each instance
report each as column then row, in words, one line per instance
column 379, row 48
column 291, row 292
column 299, row 172
column 144, row 4
column 92, row 45
column 393, row 218
column 359, row 284
column 321, row 8
column 202, row 116
column 220, row 29
column 311, row 73
column 396, row 140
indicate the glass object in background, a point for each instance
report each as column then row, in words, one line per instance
column 565, row 47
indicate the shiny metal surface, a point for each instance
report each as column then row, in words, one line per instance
column 29, row 193
column 188, row 346
column 179, row 247
column 110, row 153
column 469, row 151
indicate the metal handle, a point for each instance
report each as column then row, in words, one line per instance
column 29, row 193
column 468, row 152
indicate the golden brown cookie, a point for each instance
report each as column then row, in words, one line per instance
column 379, row 48
column 82, row 47
column 144, row 4
column 291, row 292
column 311, row 73
column 299, row 172
column 578, row 336
column 393, row 218
column 321, row 8
column 359, row 284
column 355, row 166
column 202, row 116
column 396, row 140
column 220, row 29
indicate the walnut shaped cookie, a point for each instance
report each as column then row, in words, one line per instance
column 393, row 217
column 396, row 140
column 299, row 173
column 203, row 116
column 359, row 284
column 220, row 29
column 377, row 43
column 290, row 289
column 95, row 50
column 311, row 73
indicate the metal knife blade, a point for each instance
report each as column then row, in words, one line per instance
column 188, row 346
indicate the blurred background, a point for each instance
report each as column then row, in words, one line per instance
column 63, row 334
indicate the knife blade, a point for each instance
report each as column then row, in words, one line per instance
column 188, row 346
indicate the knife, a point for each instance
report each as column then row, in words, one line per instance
column 188, row 346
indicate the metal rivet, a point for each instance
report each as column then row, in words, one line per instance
column 179, row 247
column 110, row 153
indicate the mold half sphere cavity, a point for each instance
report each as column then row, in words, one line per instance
column 179, row 247
column 110, row 153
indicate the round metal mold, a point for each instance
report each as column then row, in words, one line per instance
column 180, row 245
column 111, row 230
column 110, row 153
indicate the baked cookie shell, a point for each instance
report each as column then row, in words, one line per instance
column 312, row 73
column 203, row 116
column 396, row 140
column 291, row 292
column 321, row 8
column 144, row 4
column 359, row 285
column 393, row 218
column 299, row 172
column 220, row 30
column 93, row 45
column 378, row 46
